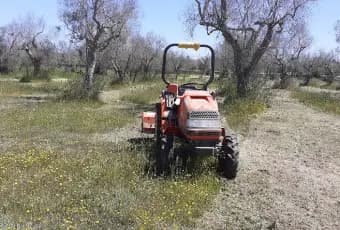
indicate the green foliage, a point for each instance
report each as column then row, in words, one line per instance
column 43, row 75
column 239, row 112
column 75, row 89
column 26, row 78
column 315, row 82
column 323, row 101
column 228, row 90
column 59, row 73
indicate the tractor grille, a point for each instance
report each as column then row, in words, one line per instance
column 203, row 115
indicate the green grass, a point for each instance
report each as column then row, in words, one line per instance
column 99, row 187
column 239, row 112
column 11, row 75
column 53, row 73
column 333, row 86
column 143, row 94
column 52, row 174
column 323, row 101
column 14, row 88
column 315, row 83
column 17, row 89
column 57, row 73
column 81, row 117
column 148, row 92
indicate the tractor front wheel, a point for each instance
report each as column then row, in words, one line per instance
column 163, row 158
column 228, row 158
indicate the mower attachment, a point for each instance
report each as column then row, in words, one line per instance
column 148, row 122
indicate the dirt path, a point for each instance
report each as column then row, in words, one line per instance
column 289, row 176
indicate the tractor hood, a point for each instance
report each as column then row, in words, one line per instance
column 198, row 111
column 199, row 100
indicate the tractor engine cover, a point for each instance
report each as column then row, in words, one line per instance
column 199, row 118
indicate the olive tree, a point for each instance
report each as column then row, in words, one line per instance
column 322, row 65
column 248, row 26
column 337, row 31
column 96, row 23
column 30, row 45
column 4, row 52
column 27, row 35
column 121, row 56
column 150, row 49
column 224, row 60
column 286, row 49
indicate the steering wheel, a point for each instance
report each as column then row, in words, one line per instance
column 191, row 85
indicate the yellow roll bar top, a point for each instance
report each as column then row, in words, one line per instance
column 189, row 45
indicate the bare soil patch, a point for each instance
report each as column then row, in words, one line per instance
column 289, row 176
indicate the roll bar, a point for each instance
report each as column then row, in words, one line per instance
column 194, row 46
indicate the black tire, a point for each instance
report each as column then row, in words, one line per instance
column 158, row 153
column 163, row 155
column 158, row 123
column 228, row 158
column 179, row 161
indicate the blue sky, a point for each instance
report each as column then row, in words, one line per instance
column 165, row 18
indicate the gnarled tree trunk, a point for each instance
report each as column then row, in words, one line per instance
column 91, row 61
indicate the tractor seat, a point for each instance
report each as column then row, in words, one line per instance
column 182, row 89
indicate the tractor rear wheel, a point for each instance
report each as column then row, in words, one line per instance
column 158, row 137
column 163, row 154
column 158, row 123
column 228, row 158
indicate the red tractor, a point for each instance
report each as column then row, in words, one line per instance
column 187, row 120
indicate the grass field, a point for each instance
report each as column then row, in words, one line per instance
column 239, row 112
column 80, row 117
column 323, row 101
column 143, row 93
column 8, row 88
column 97, row 187
column 54, row 173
